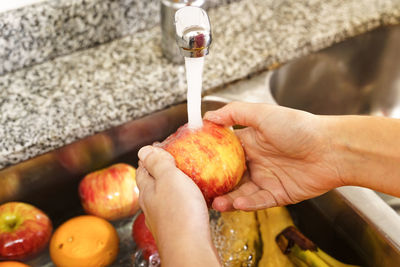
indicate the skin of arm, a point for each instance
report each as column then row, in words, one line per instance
column 294, row 155
column 176, row 212
column 367, row 149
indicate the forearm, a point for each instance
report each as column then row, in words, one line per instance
column 367, row 150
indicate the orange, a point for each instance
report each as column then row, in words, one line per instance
column 84, row 241
column 12, row 264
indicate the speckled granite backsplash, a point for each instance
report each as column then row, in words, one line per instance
column 54, row 103
column 39, row 32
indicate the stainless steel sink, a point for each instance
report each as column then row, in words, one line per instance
column 358, row 76
column 50, row 182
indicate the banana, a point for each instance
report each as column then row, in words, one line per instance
column 235, row 235
column 303, row 252
column 272, row 222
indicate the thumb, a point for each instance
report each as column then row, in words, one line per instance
column 158, row 162
column 237, row 113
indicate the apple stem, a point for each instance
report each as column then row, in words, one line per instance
column 11, row 222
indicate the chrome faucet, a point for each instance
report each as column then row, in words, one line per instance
column 193, row 31
column 186, row 30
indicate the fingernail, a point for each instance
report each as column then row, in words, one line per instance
column 144, row 152
column 157, row 144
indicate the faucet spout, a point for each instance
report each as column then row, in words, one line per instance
column 193, row 31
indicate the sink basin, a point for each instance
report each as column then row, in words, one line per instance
column 358, row 76
column 50, row 182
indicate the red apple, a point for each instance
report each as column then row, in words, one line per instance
column 144, row 239
column 110, row 193
column 24, row 231
column 212, row 156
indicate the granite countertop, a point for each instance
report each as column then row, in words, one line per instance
column 46, row 106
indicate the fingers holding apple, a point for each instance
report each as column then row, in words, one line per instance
column 24, row 231
column 212, row 156
column 110, row 193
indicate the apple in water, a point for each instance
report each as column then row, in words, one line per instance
column 24, row 231
column 144, row 239
column 212, row 156
column 110, row 193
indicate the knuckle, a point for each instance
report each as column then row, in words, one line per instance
column 154, row 157
column 163, row 154
column 159, row 162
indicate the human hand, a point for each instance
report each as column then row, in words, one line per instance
column 175, row 210
column 288, row 157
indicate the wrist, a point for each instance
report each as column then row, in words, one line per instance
column 183, row 237
column 365, row 149
column 187, row 246
column 337, row 154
